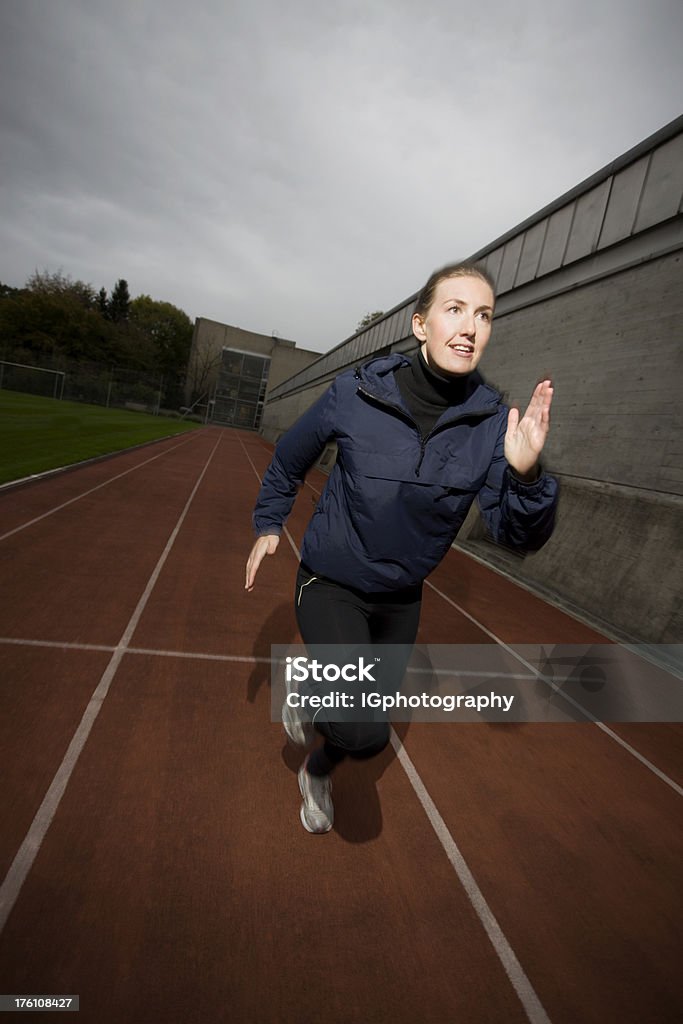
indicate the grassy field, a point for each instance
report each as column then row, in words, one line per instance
column 37, row 434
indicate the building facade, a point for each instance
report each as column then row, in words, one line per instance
column 231, row 370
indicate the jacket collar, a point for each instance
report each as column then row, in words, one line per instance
column 377, row 379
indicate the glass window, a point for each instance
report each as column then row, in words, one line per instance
column 253, row 367
column 240, row 389
column 249, row 390
column 227, row 386
column 223, row 411
column 245, row 414
column 232, row 361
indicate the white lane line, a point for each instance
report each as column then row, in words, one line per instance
column 549, row 682
column 22, row 863
column 61, row 645
column 65, row 645
column 243, row 659
column 284, row 529
column 154, row 652
column 514, row 970
column 92, row 490
column 521, row 984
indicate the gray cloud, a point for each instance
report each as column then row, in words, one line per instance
column 290, row 167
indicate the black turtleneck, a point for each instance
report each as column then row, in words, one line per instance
column 428, row 394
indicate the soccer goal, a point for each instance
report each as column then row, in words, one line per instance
column 36, row 380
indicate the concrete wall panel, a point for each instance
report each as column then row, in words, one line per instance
column 613, row 349
column 367, row 341
column 399, row 322
column 586, row 223
column 623, row 202
column 531, row 253
column 493, row 263
column 405, row 320
column 555, row 240
column 508, row 270
column 663, row 186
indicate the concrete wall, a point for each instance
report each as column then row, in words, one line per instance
column 279, row 415
column 614, row 558
column 613, row 349
column 286, row 360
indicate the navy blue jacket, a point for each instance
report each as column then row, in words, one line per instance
column 394, row 501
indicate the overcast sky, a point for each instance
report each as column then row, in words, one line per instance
column 288, row 167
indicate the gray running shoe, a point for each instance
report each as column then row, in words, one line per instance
column 299, row 730
column 317, row 812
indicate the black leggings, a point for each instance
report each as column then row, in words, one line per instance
column 332, row 613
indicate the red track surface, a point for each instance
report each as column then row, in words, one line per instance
column 174, row 881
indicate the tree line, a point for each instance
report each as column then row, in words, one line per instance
column 54, row 320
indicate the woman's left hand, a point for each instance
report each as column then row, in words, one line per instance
column 525, row 437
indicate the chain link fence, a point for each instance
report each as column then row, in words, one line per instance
column 87, row 382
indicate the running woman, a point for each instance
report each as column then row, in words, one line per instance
column 418, row 439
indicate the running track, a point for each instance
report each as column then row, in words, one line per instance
column 153, row 857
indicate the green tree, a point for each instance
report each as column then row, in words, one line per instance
column 54, row 320
column 200, row 370
column 58, row 283
column 53, row 316
column 169, row 331
column 7, row 291
column 368, row 319
column 119, row 303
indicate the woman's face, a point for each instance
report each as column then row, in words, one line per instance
column 457, row 327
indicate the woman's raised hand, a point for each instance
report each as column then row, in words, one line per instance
column 265, row 545
column 525, row 437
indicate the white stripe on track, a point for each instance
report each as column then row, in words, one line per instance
column 92, row 490
column 23, row 861
column 154, row 652
column 61, row 645
column 66, row 645
column 521, row 984
column 549, row 682
column 514, row 970
column 285, row 530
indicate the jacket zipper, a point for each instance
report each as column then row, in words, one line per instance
column 409, row 418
